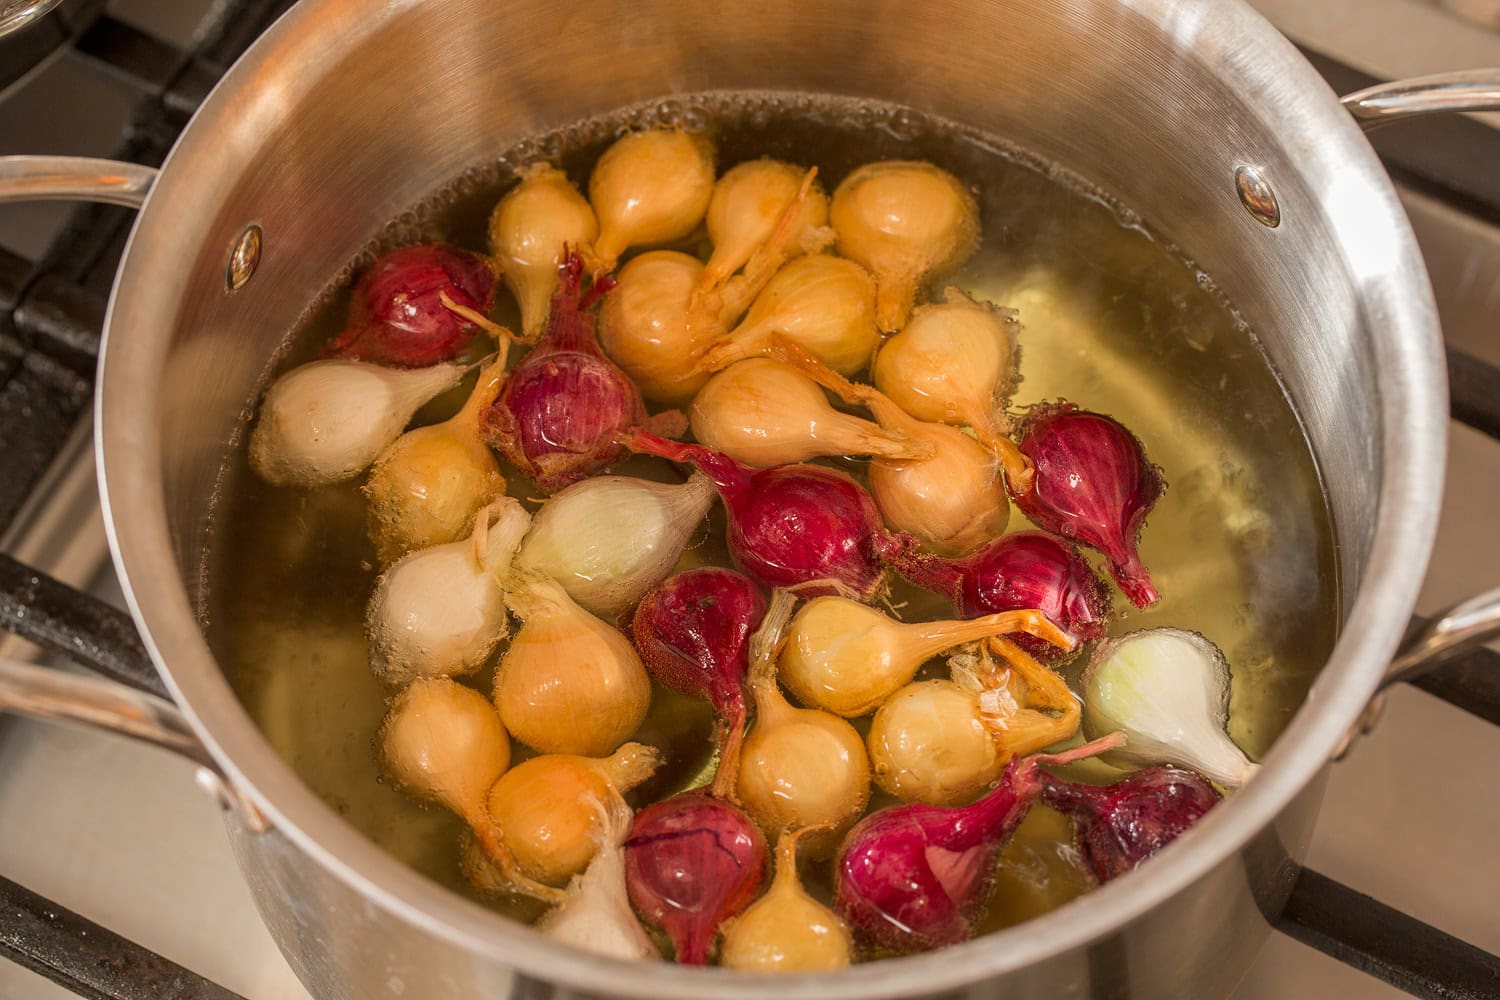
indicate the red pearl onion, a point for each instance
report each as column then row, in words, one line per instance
column 1092, row 483
column 559, row 414
column 397, row 316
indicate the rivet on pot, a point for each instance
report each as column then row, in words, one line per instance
column 244, row 258
column 1257, row 197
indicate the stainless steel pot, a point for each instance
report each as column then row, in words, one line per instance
column 349, row 111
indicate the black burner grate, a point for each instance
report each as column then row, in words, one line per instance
column 51, row 312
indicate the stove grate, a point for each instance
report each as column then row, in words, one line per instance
column 91, row 961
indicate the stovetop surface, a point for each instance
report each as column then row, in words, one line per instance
column 121, row 834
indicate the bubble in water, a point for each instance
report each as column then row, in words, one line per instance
column 905, row 124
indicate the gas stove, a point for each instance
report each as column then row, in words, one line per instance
column 115, row 875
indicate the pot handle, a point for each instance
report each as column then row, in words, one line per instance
column 1457, row 630
column 74, row 178
column 48, row 694
column 1466, row 90
column 16, row 14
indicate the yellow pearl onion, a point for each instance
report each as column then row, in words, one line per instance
column 746, row 204
column 528, row 231
column 426, row 487
column 927, row 744
column 908, row 222
column 955, row 363
column 549, row 809
column 646, row 328
column 443, row 742
column 823, row 304
column 663, row 319
column 786, row 930
column 568, row 683
column 947, row 741
column 799, row 767
column 847, row 658
column 946, row 488
column 763, row 412
column 649, row 187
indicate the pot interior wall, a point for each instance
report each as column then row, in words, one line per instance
column 359, row 119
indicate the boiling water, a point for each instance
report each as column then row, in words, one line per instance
column 1114, row 320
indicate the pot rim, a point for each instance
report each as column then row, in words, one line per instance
column 1394, row 294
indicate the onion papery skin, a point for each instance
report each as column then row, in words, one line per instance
column 928, row 744
column 1092, row 483
column 397, row 316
